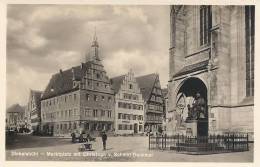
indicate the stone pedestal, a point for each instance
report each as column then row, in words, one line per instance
column 197, row 127
column 191, row 127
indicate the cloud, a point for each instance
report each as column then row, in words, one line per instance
column 41, row 39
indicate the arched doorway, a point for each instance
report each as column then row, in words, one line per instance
column 185, row 96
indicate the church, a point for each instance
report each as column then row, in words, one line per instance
column 211, row 54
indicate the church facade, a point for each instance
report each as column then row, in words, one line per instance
column 211, row 53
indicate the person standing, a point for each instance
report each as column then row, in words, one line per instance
column 104, row 139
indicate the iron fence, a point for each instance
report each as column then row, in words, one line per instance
column 210, row 144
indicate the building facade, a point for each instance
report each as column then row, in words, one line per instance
column 33, row 111
column 15, row 117
column 152, row 94
column 212, row 53
column 129, row 105
column 80, row 98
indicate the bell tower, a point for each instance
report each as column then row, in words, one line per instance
column 95, row 47
column 93, row 54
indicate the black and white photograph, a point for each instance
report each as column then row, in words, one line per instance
column 130, row 83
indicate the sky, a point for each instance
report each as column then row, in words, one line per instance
column 42, row 39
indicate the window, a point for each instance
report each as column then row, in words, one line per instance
column 87, row 97
column 103, row 98
column 205, row 24
column 140, row 127
column 75, row 96
column 250, row 48
column 95, row 113
column 103, row 113
column 130, row 86
column 109, row 115
column 124, row 116
column 95, row 97
column 119, row 127
column 109, row 99
column 119, row 115
column 98, row 76
column 75, row 111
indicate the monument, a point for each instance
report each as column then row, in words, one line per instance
column 196, row 122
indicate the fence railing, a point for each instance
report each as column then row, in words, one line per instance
column 212, row 143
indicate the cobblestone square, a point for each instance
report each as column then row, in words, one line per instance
column 34, row 148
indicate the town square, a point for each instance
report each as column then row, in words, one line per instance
column 141, row 83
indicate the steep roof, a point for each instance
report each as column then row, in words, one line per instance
column 16, row 108
column 62, row 82
column 146, row 84
column 37, row 95
column 116, row 82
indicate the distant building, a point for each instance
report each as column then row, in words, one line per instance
column 165, row 106
column 212, row 53
column 79, row 98
column 15, row 117
column 152, row 95
column 33, row 110
column 129, row 105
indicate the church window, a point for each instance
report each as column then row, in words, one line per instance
column 250, row 47
column 205, row 24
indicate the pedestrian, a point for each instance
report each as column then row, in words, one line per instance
column 104, row 139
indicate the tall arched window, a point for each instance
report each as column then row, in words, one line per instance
column 250, row 48
column 205, row 24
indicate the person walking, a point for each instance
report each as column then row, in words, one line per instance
column 104, row 139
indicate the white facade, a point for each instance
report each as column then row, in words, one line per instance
column 129, row 106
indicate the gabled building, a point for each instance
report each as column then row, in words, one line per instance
column 153, row 99
column 33, row 110
column 15, row 117
column 129, row 105
column 79, row 98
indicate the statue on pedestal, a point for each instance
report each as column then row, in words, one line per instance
column 198, row 108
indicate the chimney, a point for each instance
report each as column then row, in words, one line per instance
column 60, row 71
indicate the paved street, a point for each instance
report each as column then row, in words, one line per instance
column 25, row 147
